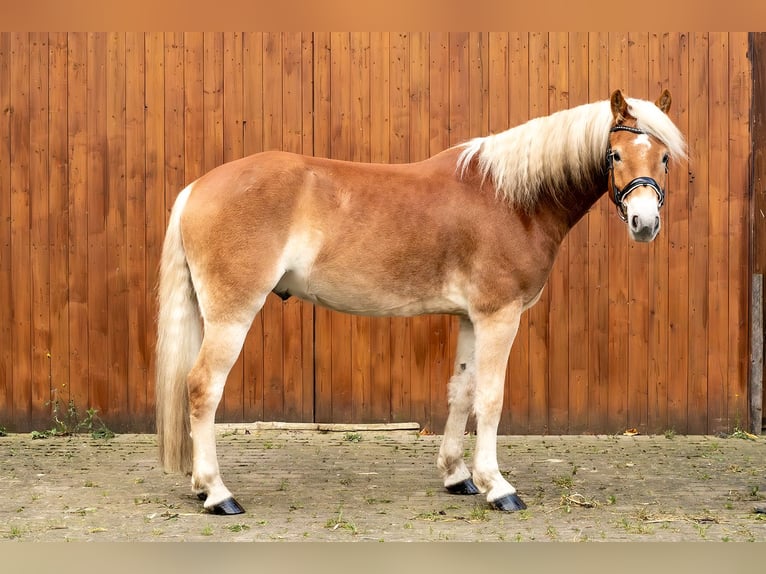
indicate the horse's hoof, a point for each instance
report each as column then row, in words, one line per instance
column 508, row 503
column 202, row 496
column 226, row 507
column 465, row 487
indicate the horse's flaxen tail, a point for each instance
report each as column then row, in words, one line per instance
column 179, row 335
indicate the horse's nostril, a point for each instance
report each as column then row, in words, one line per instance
column 656, row 223
column 634, row 222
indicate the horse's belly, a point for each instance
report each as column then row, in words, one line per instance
column 351, row 297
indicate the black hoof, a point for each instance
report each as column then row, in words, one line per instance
column 226, row 507
column 508, row 503
column 465, row 487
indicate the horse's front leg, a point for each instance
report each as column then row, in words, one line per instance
column 220, row 348
column 494, row 336
column 457, row 477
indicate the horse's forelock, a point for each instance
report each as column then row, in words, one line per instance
column 657, row 123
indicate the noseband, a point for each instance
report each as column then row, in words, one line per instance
column 618, row 195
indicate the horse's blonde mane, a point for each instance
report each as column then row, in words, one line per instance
column 549, row 155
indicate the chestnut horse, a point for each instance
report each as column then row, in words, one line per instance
column 473, row 231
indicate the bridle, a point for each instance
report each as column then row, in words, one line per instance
column 618, row 195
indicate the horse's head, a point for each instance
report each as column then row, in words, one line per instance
column 637, row 163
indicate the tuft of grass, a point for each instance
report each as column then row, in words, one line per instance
column 563, row 481
column 3, row 431
column 337, row 522
column 479, row 513
column 15, row 532
column 670, row 434
column 237, row 527
column 742, row 434
column 207, row 531
column 352, row 437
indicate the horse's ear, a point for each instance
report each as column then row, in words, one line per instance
column 619, row 106
column 663, row 102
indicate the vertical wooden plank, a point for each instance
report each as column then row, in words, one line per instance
column 638, row 266
column 292, row 310
column 359, row 85
column 7, row 332
column 39, row 229
column 439, row 349
column 699, row 75
column 183, row 125
column 116, row 222
column 135, row 233
column 307, row 310
column 154, row 66
column 212, row 100
column 58, row 219
column 78, row 221
column 399, row 153
column 253, row 143
column 538, row 315
column 420, row 407
column 273, row 331
column 598, row 259
column 741, row 83
column 618, row 272
column 21, row 286
column 658, row 272
column 341, row 128
column 98, row 316
column 718, row 232
column 677, row 227
column 578, row 310
column 232, row 93
column 478, row 54
column 519, row 371
column 322, row 148
column 558, row 282
column 380, row 330
column 193, row 122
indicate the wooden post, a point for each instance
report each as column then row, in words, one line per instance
column 756, row 355
column 758, row 224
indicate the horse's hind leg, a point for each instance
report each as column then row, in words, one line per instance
column 457, row 477
column 221, row 345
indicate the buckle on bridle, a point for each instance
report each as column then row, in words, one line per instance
column 618, row 195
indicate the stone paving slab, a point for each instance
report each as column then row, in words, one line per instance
column 382, row 485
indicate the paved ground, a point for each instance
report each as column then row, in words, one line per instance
column 383, row 485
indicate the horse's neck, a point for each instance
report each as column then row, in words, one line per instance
column 563, row 213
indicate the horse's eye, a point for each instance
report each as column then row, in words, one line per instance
column 666, row 159
column 616, row 156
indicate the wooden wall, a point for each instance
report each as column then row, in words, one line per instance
column 101, row 131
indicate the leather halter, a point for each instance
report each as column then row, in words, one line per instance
column 618, row 195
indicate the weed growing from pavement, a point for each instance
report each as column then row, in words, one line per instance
column 339, row 522
column 67, row 422
column 352, row 437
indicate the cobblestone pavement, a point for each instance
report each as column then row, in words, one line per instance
column 381, row 485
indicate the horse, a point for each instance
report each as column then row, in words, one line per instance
column 472, row 231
